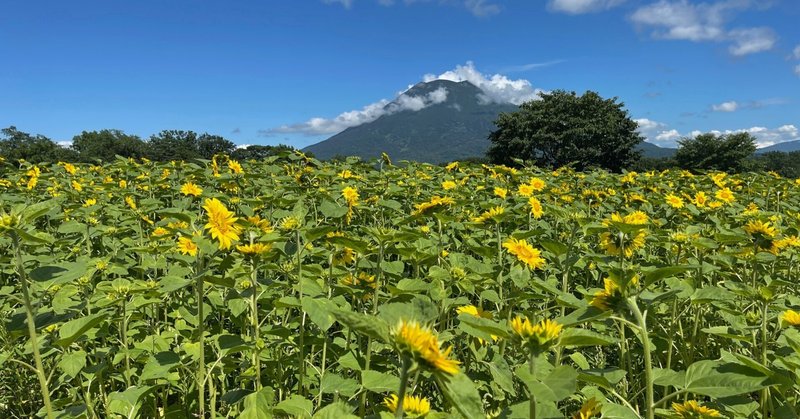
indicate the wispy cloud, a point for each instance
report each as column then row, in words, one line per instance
column 479, row 8
column 704, row 22
column 664, row 136
column 575, row 7
column 324, row 126
column 529, row 67
column 496, row 87
column 731, row 106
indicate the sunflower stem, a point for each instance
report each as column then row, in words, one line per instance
column 26, row 298
column 532, row 371
column 401, row 392
column 648, row 363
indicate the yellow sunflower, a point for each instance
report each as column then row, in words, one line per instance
column 422, row 344
column 692, row 409
column 413, row 406
column 540, row 336
column 526, row 253
column 221, row 223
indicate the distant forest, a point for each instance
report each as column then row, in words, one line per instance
column 106, row 145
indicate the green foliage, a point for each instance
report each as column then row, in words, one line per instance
column 565, row 129
column 106, row 144
column 261, row 152
column 785, row 164
column 709, row 151
column 34, row 148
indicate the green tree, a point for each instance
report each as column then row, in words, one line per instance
column 208, row 145
column 709, row 151
column 17, row 145
column 566, row 129
column 106, row 144
column 173, row 145
column 260, row 152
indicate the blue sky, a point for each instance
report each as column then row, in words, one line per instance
column 268, row 72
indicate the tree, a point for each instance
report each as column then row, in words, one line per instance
column 106, row 144
column 33, row 148
column 565, row 129
column 208, row 145
column 260, row 152
column 709, row 151
column 173, row 145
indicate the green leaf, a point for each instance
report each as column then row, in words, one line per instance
column 361, row 323
column 128, row 402
column 335, row 384
column 575, row 337
column 379, row 382
column 258, row 405
column 460, row 390
column 72, row 363
column 319, row 311
column 159, row 366
column 296, row 406
column 716, row 379
column 73, row 329
column 337, row 410
column 562, row 382
column 651, row 276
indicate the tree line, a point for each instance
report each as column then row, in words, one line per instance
column 588, row 131
column 105, row 145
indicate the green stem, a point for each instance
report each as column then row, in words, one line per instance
column 201, row 367
column 532, row 371
column 648, row 363
column 401, row 393
column 379, row 281
column 254, row 322
column 124, row 333
column 301, row 352
column 26, row 298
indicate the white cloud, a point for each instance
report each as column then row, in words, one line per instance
column 765, row 137
column 369, row 113
column 749, row 41
column 648, row 124
column 530, row 66
column 480, row 8
column 725, row 107
column 575, row 7
column 669, row 136
column 796, row 52
column 346, row 3
column 242, row 146
column 797, row 70
column 496, row 88
column 64, row 144
column 697, row 22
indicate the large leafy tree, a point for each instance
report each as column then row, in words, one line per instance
column 18, row 145
column 106, row 144
column 566, row 129
column 709, row 151
column 260, row 152
column 173, row 145
column 208, row 145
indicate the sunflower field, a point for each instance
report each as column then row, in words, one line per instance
column 296, row 288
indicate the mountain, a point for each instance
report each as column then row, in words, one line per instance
column 656, row 152
column 786, row 147
column 453, row 129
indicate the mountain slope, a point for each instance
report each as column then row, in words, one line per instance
column 786, row 147
column 455, row 129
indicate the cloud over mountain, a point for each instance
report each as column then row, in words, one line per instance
column 495, row 88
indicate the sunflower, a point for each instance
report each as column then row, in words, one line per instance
column 589, row 409
column 435, row 203
column 674, row 201
column 221, row 223
column 725, row 195
column 501, row 192
column 540, row 336
column 700, row 199
column 413, row 406
column 350, row 195
column 493, row 214
column 537, row 184
column 759, row 228
column 186, row 246
column 536, row 207
column 419, row 341
column 235, row 167
column 525, row 190
column 692, row 409
column 254, row 249
column 525, row 253
column 474, row 311
column 790, row 318
column 190, row 188
column 448, row 184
